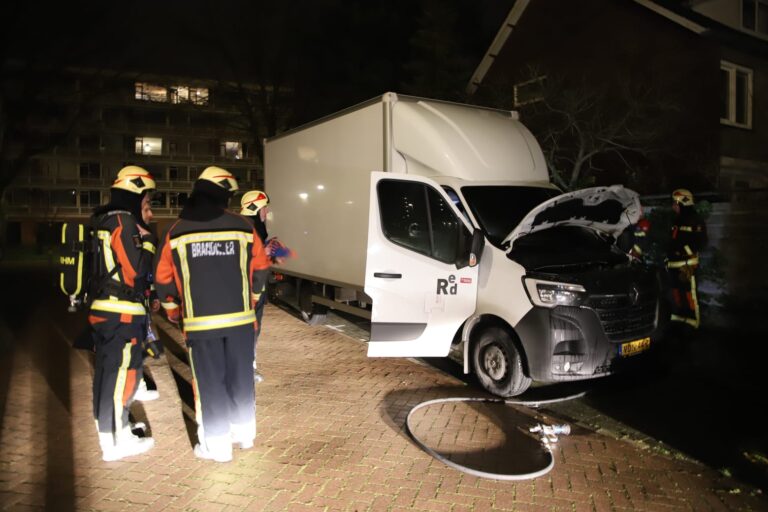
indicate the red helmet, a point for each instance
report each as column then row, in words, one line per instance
column 643, row 225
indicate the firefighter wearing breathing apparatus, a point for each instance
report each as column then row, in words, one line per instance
column 117, row 314
column 688, row 238
column 211, row 263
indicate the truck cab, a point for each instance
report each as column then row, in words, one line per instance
column 552, row 298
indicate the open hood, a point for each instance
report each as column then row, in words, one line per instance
column 609, row 210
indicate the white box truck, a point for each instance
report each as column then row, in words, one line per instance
column 438, row 222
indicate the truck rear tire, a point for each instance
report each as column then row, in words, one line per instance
column 498, row 364
column 313, row 314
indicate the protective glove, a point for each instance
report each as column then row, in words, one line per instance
column 277, row 251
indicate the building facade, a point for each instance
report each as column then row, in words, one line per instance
column 174, row 127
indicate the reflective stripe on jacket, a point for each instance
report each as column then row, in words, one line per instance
column 211, row 268
column 124, row 260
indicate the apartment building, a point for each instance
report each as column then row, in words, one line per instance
column 172, row 126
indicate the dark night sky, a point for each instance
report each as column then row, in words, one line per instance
column 343, row 50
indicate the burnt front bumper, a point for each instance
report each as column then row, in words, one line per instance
column 574, row 343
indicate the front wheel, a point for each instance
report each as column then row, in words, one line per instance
column 498, row 364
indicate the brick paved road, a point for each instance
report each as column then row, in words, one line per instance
column 330, row 437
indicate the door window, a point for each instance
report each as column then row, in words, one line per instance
column 417, row 217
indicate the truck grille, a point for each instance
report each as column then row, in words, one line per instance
column 626, row 316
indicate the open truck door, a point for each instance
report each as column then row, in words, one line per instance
column 421, row 267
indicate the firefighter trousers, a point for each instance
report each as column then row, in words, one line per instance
column 225, row 401
column 685, row 302
column 260, row 313
column 118, row 368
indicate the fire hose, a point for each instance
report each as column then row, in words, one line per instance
column 548, row 435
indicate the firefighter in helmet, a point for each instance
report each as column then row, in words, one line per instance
column 688, row 238
column 634, row 240
column 254, row 205
column 641, row 243
column 117, row 314
column 210, row 267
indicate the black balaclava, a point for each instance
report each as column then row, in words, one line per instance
column 123, row 200
column 687, row 213
column 261, row 228
column 207, row 202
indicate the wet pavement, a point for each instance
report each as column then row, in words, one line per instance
column 331, row 434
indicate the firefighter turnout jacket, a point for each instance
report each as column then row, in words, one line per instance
column 211, row 269
column 688, row 237
column 123, row 267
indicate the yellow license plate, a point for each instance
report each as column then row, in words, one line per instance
column 634, row 347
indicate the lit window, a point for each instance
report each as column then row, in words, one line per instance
column 149, row 146
column 754, row 15
column 529, row 91
column 198, row 95
column 186, row 94
column 736, row 95
column 232, row 150
column 150, row 92
column 179, row 94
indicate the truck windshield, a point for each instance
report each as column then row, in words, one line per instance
column 499, row 209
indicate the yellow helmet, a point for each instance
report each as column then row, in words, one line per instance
column 252, row 202
column 220, row 177
column 683, row 197
column 134, row 179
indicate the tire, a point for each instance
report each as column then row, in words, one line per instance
column 498, row 364
column 313, row 314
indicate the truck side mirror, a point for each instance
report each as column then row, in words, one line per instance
column 476, row 250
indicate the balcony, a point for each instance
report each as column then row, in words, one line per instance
column 58, row 213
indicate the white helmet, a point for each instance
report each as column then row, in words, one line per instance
column 134, row 179
column 682, row 196
column 220, row 177
column 252, row 202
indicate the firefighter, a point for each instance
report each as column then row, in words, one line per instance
column 688, row 238
column 634, row 240
column 117, row 314
column 151, row 346
column 211, row 263
column 641, row 243
column 254, row 206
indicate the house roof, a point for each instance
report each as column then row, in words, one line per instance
column 675, row 11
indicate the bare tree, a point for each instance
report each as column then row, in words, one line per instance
column 257, row 58
column 585, row 127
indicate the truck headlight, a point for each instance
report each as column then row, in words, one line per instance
column 549, row 294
